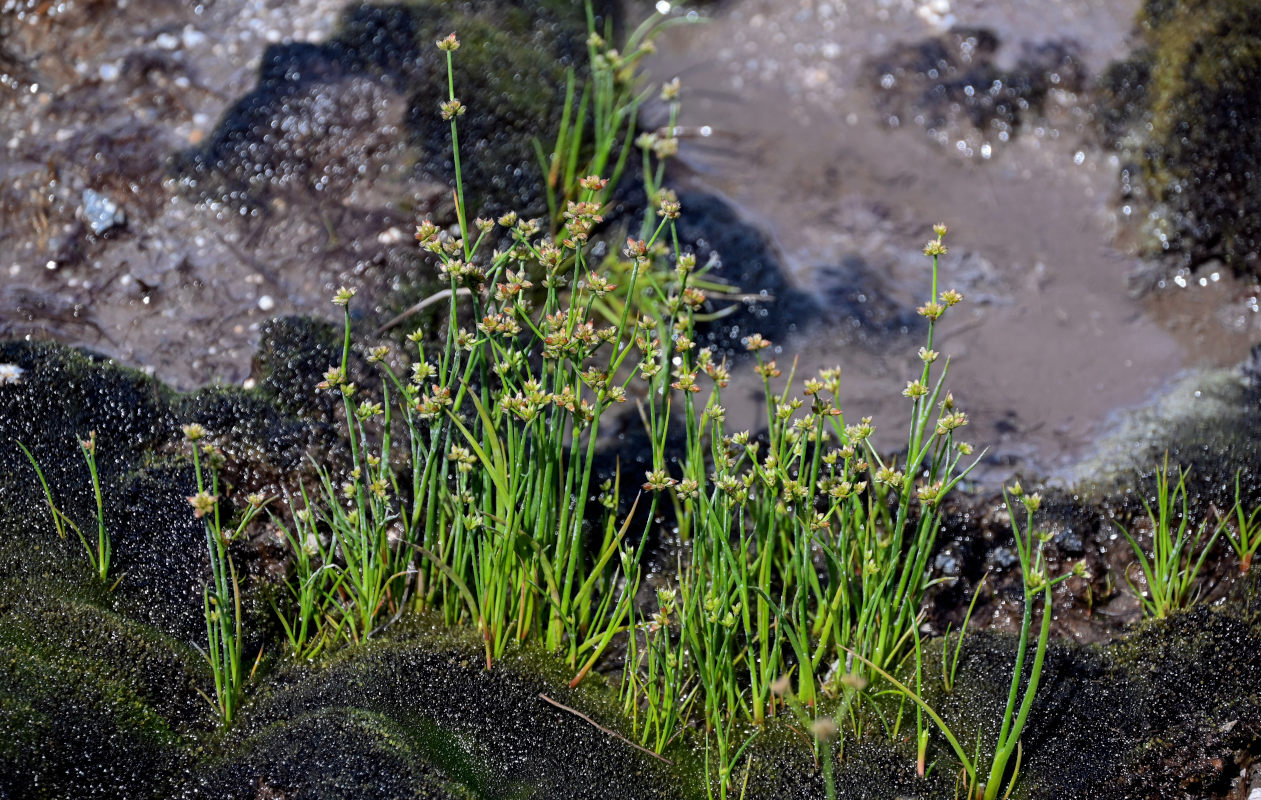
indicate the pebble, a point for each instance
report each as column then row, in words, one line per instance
column 266, row 303
column 192, row 37
column 101, row 213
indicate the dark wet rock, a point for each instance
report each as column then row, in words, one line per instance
column 326, row 117
column 1063, row 754
column 783, row 768
column 953, row 83
column 854, row 299
column 1182, row 108
column 742, row 257
column 1199, row 675
column 976, row 544
column 1001, row 559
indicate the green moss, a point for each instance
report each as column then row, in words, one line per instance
column 329, row 753
column 103, row 647
column 487, row 729
column 66, row 738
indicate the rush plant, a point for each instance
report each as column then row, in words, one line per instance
column 978, row 781
column 100, row 553
column 1245, row 539
column 1178, row 547
column 221, row 597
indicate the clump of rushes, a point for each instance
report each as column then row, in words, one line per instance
column 98, row 556
column 499, row 427
column 806, row 551
column 221, row 598
column 1037, row 583
column 610, row 102
column 1178, row 549
column 314, row 586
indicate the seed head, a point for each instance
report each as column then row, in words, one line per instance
column 193, row 432
column 823, row 728
column 426, row 232
column 856, row 433
column 914, row 389
column 939, row 229
column 768, row 370
column 687, row 489
column 203, row 503
column 670, row 91
column 889, row 476
column 451, row 109
column 934, row 248
column 930, row 311
column 755, row 342
column 333, row 378
column 342, row 298
column 449, row 44
column 658, row 480
column 421, row 372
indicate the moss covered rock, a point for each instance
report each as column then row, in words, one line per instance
column 1185, row 105
column 103, row 690
column 422, row 715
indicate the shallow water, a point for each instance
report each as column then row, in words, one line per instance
column 1051, row 341
column 1048, row 346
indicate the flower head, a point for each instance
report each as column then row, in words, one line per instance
column 203, row 503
